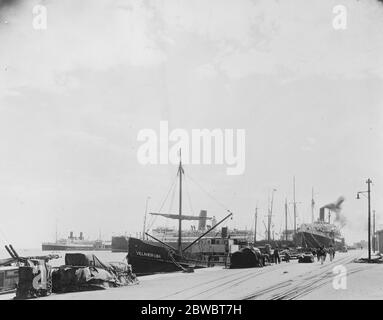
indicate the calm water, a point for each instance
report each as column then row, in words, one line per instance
column 105, row 256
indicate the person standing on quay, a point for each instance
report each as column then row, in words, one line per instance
column 331, row 252
column 322, row 254
column 277, row 258
column 287, row 255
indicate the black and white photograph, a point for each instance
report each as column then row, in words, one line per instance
column 191, row 150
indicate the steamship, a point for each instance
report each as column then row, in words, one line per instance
column 169, row 254
column 73, row 243
column 178, row 249
column 321, row 232
column 168, row 236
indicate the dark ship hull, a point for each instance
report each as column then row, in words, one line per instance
column 314, row 240
column 62, row 247
column 69, row 247
column 121, row 243
column 147, row 257
column 320, row 233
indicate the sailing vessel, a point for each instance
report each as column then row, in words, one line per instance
column 155, row 256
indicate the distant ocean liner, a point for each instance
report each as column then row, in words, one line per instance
column 75, row 244
column 319, row 233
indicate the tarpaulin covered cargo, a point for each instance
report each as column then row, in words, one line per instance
column 306, row 258
column 246, row 258
column 84, row 260
column 87, row 272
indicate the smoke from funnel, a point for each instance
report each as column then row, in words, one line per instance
column 9, row 3
column 337, row 208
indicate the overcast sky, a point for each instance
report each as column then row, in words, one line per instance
column 73, row 98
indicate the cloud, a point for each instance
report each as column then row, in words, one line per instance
column 303, row 42
column 77, row 93
column 80, row 35
column 246, row 37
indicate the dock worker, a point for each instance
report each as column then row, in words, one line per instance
column 331, row 252
column 317, row 252
column 277, row 258
column 287, row 255
column 322, row 254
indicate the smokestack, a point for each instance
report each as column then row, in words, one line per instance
column 81, row 236
column 71, row 235
column 321, row 214
column 337, row 208
column 202, row 222
column 224, row 232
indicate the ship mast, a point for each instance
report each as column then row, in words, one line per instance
column 255, row 224
column 146, row 212
column 270, row 216
column 312, row 205
column 56, row 230
column 295, row 207
column 286, row 219
column 180, row 172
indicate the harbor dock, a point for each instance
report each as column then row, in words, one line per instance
column 279, row 281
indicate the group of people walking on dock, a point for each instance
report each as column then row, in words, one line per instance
column 322, row 252
column 277, row 255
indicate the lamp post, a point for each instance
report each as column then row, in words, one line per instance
column 369, row 214
column 373, row 233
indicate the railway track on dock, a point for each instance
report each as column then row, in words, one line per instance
column 296, row 288
column 218, row 284
column 292, row 288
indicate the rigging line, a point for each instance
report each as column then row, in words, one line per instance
column 289, row 215
column 169, row 210
column 3, row 236
column 163, row 202
column 172, row 200
column 209, row 194
column 171, row 188
column 150, row 224
column 189, row 198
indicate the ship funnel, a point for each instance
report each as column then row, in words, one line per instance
column 81, row 236
column 202, row 222
column 71, row 235
column 333, row 207
column 321, row 214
